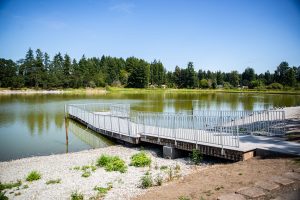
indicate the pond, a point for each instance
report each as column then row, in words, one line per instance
column 32, row 125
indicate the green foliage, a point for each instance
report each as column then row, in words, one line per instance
column 158, row 180
column 102, row 191
column 4, row 186
column 33, row 176
column 140, row 160
column 146, row 181
column 2, row 196
column 77, row 196
column 163, row 167
column 112, row 163
column 275, row 86
column 86, row 174
column 196, row 156
column 54, row 181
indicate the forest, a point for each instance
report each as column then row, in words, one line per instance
column 38, row 70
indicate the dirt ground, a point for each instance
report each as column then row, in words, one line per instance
column 210, row 182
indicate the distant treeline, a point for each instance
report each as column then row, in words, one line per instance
column 39, row 71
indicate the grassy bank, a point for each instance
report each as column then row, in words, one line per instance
column 140, row 90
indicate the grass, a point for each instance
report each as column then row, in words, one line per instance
column 163, row 167
column 53, row 181
column 2, row 196
column 86, row 174
column 146, row 181
column 102, row 191
column 112, row 163
column 140, row 160
column 33, row 176
column 158, row 180
column 77, row 196
column 4, row 186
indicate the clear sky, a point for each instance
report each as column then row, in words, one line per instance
column 214, row 34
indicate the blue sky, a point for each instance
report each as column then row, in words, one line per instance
column 214, row 34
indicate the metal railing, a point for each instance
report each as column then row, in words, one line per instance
column 220, row 128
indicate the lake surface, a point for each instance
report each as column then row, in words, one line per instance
column 33, row 125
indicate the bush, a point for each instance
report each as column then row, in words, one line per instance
column 146, row 181
column 196, row 156
column 140, row 160
column 275, row 86
column 33, row 176
column 76, row 196
column 112, row 163
column 86, row 174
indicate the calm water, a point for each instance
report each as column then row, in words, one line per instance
column 34, row 124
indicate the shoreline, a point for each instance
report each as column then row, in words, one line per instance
column 7, row 91
column 62, row 166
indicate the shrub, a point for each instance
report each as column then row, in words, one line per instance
column 76, row 196
column 146, row 181
column 103, row 160
column 196, row 156
column 275, row 86
column 4, row 186
column 33, row 176
column 55, row 181
column 112, row 163
column 140, row 160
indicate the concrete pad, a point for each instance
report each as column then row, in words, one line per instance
column 292, row 175
column 251, row 192
column 231, row 197
column 282, row 181
column 270, row 186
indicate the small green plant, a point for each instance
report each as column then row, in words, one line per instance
column 33, row 176
column 93, row 168
column 140, row 159
column 85, row 167
column 158, row 180
column 196, row 156
column 86, row 174
column 170, row 174
column 25, row 186
column 2, row 196
column 4, row 186
column 146, row 181
column 76, row 196
column 112, row 163
column 76, row 168
column 183, row 198
column 177, row 167
column 102, row 191
column 54, row 181
column 163, row 167
column 18, row 194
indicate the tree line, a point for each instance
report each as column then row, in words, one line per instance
column 38, row 70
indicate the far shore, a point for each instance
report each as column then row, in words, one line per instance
column 102, row 90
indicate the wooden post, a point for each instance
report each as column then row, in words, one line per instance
column 67, row 135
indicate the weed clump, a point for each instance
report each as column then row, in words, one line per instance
column 4, row 186
column 54, row 181
column 102, row 191
column 112, row 163
column 86, row 174
column 76, row 196
column 140, row 160
column 146, row 181
column 33, row 176
column 2, row 196
column 158, row 180
column 196, row 156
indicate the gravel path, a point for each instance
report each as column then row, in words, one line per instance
column 62, row 166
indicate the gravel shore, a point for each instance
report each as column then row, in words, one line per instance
column 125, row 185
